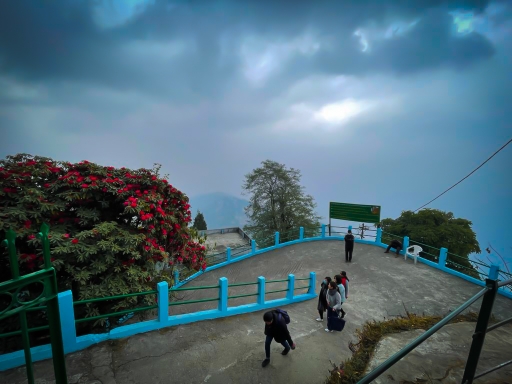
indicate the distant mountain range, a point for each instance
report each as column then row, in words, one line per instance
column 220, row 210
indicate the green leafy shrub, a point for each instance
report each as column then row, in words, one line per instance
column 112, row 230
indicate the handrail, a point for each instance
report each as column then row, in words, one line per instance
column 497, row 325
column 95, row 300
column 493, row 369
column 420, row 339
column 503, row 283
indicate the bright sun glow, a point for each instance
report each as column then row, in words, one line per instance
column 341, row 112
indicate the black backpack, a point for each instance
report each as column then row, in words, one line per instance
column 284, row 314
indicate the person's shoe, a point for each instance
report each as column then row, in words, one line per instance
column 319, row 319
column 343, row 315
column 265, row 362
column 386, row 251
column 294, row 346
column 326, row 330
column 285, row 351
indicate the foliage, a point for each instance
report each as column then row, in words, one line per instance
column 438, row 229
column 353, row 369
column 277, row 201
column 112, row 231
column 199, row 222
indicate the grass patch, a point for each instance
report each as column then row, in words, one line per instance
column 352, row 370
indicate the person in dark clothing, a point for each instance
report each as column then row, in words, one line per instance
column 349, row 246
column 322, row 299
column 276, row 329
column 394, row 244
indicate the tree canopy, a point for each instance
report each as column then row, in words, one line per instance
column 438, row 229
column 112, row 230
column 277, row 201
column 199, row 222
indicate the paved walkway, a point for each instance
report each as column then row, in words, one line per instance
column 230, row 350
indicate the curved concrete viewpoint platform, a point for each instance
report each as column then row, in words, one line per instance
column 230, row 350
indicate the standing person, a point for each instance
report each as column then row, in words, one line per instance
column 349, row 245
column 341, row 290
column 322, row 299
column 344, row 282
column 334, row 305
column 275, row 328
column 394, row 244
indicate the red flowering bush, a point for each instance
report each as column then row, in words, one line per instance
column 109, row 227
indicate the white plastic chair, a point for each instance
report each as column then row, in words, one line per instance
column 414, row 251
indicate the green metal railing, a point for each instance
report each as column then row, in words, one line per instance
column 115, row 313
column 12, row 288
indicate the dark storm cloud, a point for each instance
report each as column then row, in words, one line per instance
column 59, row 40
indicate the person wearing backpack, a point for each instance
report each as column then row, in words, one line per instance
column 276, row 329
column 322, row 300
column 344, row 282
column 349, row 245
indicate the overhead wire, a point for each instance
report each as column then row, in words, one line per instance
column 464, row 178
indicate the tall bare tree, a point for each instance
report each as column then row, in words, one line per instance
column 277, row 201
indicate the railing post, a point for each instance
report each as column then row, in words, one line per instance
column 253, row 246
column 261, row 290
column 228, row 254
column 276, row 242
column 301, row 233
column 480, row 330
column 323, row 231
column 494, row 271
column 378, row 238
column 329, row 229
column 406, row 244
column 162, row 295
column 443, row 254
column 291, row 286
column 312, row 282
column 67, row 320
column 223, row 294
column 176, row 277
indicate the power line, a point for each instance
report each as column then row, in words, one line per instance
column 460, row 181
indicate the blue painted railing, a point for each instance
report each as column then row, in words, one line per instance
column 73, row 343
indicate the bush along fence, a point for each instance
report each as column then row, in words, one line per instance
column 297, row 289
column 436, row 258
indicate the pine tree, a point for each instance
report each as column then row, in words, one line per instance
column 199, row 222
column 108, row 226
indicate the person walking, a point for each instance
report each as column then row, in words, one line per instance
column 276, row 329
column 334, row 301
column 394, row 244
column 322, row 298
column 344, row 282
column 349, row 245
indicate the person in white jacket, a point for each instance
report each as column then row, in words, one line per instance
column 335, row 298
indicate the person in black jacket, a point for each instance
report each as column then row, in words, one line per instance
column 394, row 244
column 349, row 245
column 275, row 328
column 322, row 299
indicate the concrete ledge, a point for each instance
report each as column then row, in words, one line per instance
column 73, row 343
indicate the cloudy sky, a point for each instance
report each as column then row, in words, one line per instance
column 376, row 102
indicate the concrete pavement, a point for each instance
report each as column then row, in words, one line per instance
column 230, row 350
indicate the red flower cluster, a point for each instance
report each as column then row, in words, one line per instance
column 162, row 210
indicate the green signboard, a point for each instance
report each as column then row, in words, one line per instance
column 354, row 212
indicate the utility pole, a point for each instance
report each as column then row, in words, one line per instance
column 362, row 228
